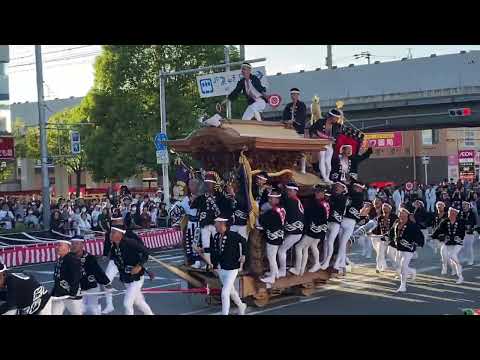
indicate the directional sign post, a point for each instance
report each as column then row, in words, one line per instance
column 162, row 151
column 75, row 142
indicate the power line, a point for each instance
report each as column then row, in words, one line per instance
column 70, row 57
column 53, row 52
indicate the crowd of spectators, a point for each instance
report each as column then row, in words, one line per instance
column 79, row 216
column 450, row 192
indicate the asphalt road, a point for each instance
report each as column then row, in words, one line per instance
column 360, row 292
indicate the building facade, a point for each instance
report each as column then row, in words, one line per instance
column 4, row 92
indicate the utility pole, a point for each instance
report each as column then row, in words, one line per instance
column 363, row 54
column 242, row 52
column 163, row 127
column 329, row 61
column 43, row 139
column 227, row 68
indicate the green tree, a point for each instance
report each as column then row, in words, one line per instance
column 124, row 104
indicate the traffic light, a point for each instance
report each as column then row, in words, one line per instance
column 460, row 112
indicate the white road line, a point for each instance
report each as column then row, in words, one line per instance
column 197, row 311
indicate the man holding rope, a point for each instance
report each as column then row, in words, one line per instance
column 92, row 275
column 130, row 256
column 66, row 276
column 22, row 294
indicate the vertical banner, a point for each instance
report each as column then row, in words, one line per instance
column 466, row 164
column 7, row 148
column 453, row 167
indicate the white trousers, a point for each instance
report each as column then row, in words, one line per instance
column 272, row 251
column 227, row 277
column 74, row 307
column 347, row 226
column 366, row 246
column 207, row 232
column 394, row 257
column 466, row 254
column 381, row 249
column 451, row 252
column 405, row 270
column 289, row 241
column 240, row 229
column 90, row 302
column 254, row 110
column 445, row 260
column 325, row 162
column 47, row 309
column 332, row 232
column 301, row 253
column 111, row 272
column 134, row 296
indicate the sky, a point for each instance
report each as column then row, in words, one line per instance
column 68, row 69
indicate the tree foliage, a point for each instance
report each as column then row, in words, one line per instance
column 124, row 104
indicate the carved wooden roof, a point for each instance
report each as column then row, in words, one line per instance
column 233, row 135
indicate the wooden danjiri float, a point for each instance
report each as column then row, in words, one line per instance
column 269, row 146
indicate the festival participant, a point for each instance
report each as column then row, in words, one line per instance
column 315, row 230
column 272, row 222
column 92, row 275
column 295, row 112
column 350, row 219
column 191, row 236
column 293, row 225
column 252, row 87
column 345, row 164
column 439, row 216
column 338, row 203
column 420, row 216
column 452, row 232
column 209, row 206
column 328, row 128
column 228, row 256
column 468, row 218
column 67, row 275
column 260, row 189
column 385, row 222
column 111, row 271
column 22, row 294
column 407, row 236
column 130, row 257
column 240, row 212
column 368, row 216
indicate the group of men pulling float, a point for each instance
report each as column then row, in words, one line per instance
column 77, row 279
column 216, row 234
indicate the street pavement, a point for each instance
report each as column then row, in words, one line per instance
column 360, row 292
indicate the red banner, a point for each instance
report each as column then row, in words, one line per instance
column 7, row 148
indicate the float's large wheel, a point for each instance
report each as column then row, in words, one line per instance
column 261, row 297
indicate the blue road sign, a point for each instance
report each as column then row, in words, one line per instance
column 159, row 141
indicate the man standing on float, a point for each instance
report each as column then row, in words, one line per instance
column 251, row 86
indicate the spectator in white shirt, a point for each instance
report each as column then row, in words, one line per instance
column 95, row 213
column 6, row 218
column 84, row 224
